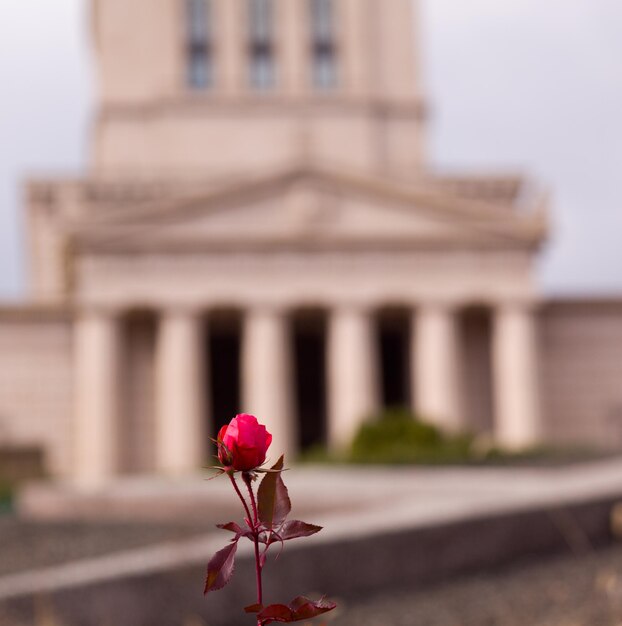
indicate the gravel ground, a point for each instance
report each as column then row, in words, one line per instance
column 569, row 591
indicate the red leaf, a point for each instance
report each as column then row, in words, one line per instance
column 253, row 608
column 276, row 613
column 307, row 609
column 236, row 529
column 300, row 608
column 274, row 503
column 220, row 568
column 231, row 527
column 294, row 529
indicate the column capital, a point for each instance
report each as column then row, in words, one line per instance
column 99, row 310
column 277, row 309
column 354, row 306
column 524, row 305
column 181, row 310
column 441, row 305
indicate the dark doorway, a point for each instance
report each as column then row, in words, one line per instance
column 476, row 371
column 224, row 344
column 137, row 430
column 393, row 333
column 309, row 342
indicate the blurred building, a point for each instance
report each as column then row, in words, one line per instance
column 258, row 232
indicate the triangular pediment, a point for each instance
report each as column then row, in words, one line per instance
column 312, row 207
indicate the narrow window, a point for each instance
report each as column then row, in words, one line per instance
column 261, row 44
column 323, row 44
column 200, row 68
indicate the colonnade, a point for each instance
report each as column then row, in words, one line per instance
column 267, row 379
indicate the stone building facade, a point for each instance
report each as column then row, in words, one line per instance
column 258, row 232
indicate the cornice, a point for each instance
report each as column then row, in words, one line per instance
column 178, row 195
column 112, row 214
column 216, row 104
column 36, row 312
column 579, row 303
column 233, row 246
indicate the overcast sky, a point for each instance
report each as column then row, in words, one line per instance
column 533, row 86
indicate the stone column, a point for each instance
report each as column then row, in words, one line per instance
column 182, row 424
column 515, row 364
column 231, row 32
column 97, row 402
column 435, row 357
column 293, row 47
column 356, row 59
column 352, row 373
column 266, row 377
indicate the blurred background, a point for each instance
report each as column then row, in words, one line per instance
column 389, row 229
column 519, row 86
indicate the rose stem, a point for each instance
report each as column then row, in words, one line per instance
column 237, row 490
column 247, row 480
column 254, row 520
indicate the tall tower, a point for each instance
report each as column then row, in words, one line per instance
column 232, row 87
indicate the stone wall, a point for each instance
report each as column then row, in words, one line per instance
column 581, row 371
column 347, row 136
column 161, row 586
column 36, row 383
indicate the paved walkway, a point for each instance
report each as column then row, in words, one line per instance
column 415, row 496
column 349, row 502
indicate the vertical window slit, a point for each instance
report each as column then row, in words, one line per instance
column 261, row 44
column 323, row 47
column 199, row 44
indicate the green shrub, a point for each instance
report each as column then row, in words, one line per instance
column 319, row 454
column 6, row 496
column 395, row 436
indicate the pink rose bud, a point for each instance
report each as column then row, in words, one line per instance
column 243, row 443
